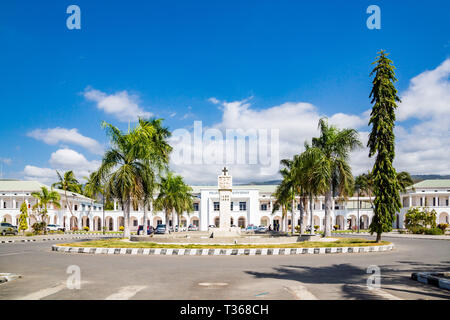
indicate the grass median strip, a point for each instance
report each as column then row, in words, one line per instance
column 118, row 243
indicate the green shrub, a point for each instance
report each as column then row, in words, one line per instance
column 86, row 228
column 336, row 227
column 434, row 231
column 39, row 227
column 442, row 226
column 121, row 228
column 29, row 234
column 316, row 228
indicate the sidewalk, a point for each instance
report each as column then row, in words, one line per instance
column 49, row 237
column 398, row 235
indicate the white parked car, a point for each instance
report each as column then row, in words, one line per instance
column 54, row 227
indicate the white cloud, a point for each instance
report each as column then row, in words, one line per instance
column 296, row 123
column 428, row 95
column 57, row 135
column 62, row 160
column 120, row 104
column 423, row 148
column 44, row 175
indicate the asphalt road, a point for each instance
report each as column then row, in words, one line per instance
column 336, row 276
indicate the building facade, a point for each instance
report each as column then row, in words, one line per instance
column 250, row 204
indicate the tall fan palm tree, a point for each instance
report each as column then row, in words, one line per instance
column 330, row 169
column 174, row 197
column 68, row 183
column 45, row 197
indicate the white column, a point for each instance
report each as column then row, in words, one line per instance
column 410, row 201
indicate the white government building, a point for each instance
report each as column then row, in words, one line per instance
column 250, row 204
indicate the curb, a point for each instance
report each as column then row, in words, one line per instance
column 63, row 238
column 222, row 252
column 431, row 278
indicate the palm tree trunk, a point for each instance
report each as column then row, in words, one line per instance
column 126, row 218
column 328, row 200
column 167, row 221
column 144, row 223
column 302, row 217
column 173, row 219
column 311, row 210
column 293, row 216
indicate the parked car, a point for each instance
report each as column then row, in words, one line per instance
column 160, row 229
column 8, row 228
column 55, row 227
column 192, row 227
column 261, row 229
column 150, row 229
column 251, row 228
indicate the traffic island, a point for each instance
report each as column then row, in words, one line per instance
column 437, row 279
column 117, row 246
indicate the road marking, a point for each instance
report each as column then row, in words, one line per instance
column 301, row 293
column 43, row 293
column 125, row 293
column 207, row 284
column 12, row 253
column 379, row 292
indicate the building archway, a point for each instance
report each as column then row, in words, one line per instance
column 157, row 220
column 109, row 223
column 364, row 224
column 7, row 218
column 277, row 223
column 316, row 221
column 265, row 221
column 73, row 223
column 97, row 224
column 351, row 221
column 241, row 222
column 340, row 222
column 195, row 221
column 85, row 222
column 443, row 218
column 120, row 222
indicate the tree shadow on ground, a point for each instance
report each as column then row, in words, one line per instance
column 353, row 279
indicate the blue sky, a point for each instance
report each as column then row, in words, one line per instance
column 170, row 57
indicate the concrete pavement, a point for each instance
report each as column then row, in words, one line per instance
column 341, row 276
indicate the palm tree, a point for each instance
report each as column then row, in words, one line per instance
column 289, row 180
column 45, row 197
column 68, row 183
column 155, row 151
column 123, row 169
column 283, row 197
column 330, row 170
column 404, row 180
column 174, row 197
